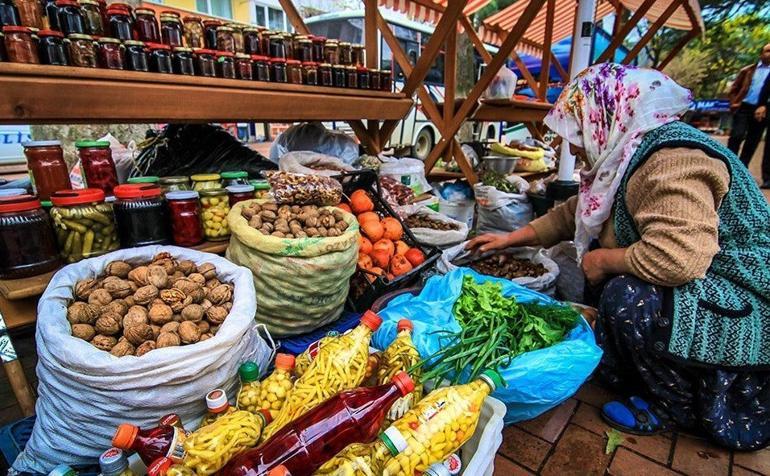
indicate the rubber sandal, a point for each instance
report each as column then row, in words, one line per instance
column 634, row 416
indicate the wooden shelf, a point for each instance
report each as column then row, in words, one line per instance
column 42, row 94
column 511, row 111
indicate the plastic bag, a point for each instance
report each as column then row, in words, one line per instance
column 410, row 172
column 571, row 281
column 301, row 189
column 544, row 284
column 503, row 85
column 434, row 237
column 313, row 136
column 500, row 211
column 312, row 163
column 536, row 381
column 84, row 393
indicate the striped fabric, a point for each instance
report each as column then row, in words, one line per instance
column 418, row 11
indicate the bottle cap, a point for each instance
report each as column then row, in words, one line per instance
column 113, row 462
column 125, row 436
column 182, row 195
column 41, row 143
column 216, row 401
column 284, row 361
column 204, row 177
column 62, row 470
column 454, row 464
column 394, row 440
column 249, row 371
column 493, row 379
column 266, row 415
column 371, row 320
column 279, row 471
column 404, row 382
column 136, row 190
column 64, row 198
column 437, row 469
column 234, row 174
column 93, row 143
column 404, row 324
column 144, row 179
column 159, row 467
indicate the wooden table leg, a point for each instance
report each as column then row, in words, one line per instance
column 15, row 372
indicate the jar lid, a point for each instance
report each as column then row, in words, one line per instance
column 80, row 36
column 40, row 143
column 136, row 190
column 260, row 184
column 182, row 195
column 305, row 40
column 225, row 28
column 16, row 29
column 216, row 400
column 118, row 8
column 225, row 54
column 172, row 13
column 310, row 63
column 92, row 143
column 318, row 38
column 325, row 65
column 350, row 67
column 133, row 43
column 12, row 192
column 358, row 46
column 62, row 3
column 332, row 42
column 172, row 179
column 344, row 43
column 145, row 11
column 251, row 29
column 212, row 22
column 170, row 18
column 276, row 35
column 240, row 188
column 204, row 177
column 158, row 46
column 362, row 69
column 204, row 51
column 107, row 39
column 242, row 56
column 278, row 60
column 182, row 49
column 125, row 6
column 19, row 203
column 192, row 18
column 259, row 58
column 293, row 61
column 89, row 2
column 144, row 179
column 212, row 192
column 63, row 198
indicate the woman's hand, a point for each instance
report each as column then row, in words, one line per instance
column 525, row 236
column 599, row 264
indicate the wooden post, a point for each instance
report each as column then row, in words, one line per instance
column 525, row 71
column 370, row 142
column 618, row 19
column 294, row 17
column 662, row 19
column 617, row 40
column 370, row 32
column 562, row 72
column 477, row 43
column 676, row 49
column 450, row 75
column 545, row 65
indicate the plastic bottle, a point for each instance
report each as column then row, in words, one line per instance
column 437, row 469
column 400, row 355
column 302, row 362
column 279, row 471
column 440, row 423
column 454, row 464
column 339, row 365
column 62, row 470
column 114, row 462
column 302, row 446
column 275, row 389
column 172, row 419
column 153, row 443
column 216, row 401
column 361, row 459
column 248, row 394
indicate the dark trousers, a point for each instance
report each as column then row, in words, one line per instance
column 748, row 131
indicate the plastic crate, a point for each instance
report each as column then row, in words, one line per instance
column 362, row 292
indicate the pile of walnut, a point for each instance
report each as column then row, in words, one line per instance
column 134, row 309
column 294, row 221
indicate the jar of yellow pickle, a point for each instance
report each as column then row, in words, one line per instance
column 276, row 387
column 248, row 395
column 214, row 209
column 205, row 181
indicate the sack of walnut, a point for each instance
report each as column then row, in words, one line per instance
column 84, row 392
column 301, row 283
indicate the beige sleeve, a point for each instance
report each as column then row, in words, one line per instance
column 557, row 225
column 673, row 199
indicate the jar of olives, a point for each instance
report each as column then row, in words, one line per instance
column 141, row 215
column 205, row 181
column 193, row 32
column 84, row 224
column 215, row 206
column 27, row 243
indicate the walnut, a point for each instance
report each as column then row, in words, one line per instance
column 138, row 334
column 208, row 271
column 204, row 326
column 155, row 331
column 177, row 318
column 206, row 336
column 104, row 342
column 186, row 267
column 170, row 327
column 193, row 312
column 134, row 286
column 130, row 299
column 118, row 306
column 168, row 264
column 167, row 339
column 214, row 329
column 197, row 278
column 144, row 348
column 82, row 313
column 221, row 294
column 212, row 283
column 197, row 295
column 186, row 285
column 83, row 331
column 136, row 315
column 228, row 305
column 178, row 306
column 118, row 288
column 189, row 333
column 161, row 256
column 145, row 294
column 139, row 275
column 122, row 349
column 206, row 304
column 173, row 295
column 155, row 301
column 118, row 268
column 160, row 314
column 84, row 287
column 108, row 324
column 216, row 314
column 99, row 297
column 157, row 276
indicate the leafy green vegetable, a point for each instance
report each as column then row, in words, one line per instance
column 498, row 180
column 614, row 439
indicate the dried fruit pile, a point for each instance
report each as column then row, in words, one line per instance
column 134, row 309
column 506, row 266
column 425, row 221
column 294, row 221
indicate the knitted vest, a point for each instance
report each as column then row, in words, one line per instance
column 723, row 319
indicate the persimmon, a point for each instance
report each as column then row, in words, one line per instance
column 367, row 217
column 386, row 245
column 380, row 258
column 373, row 230
column 345, row 207
column 400, row 265
column 401, row 247
column 364, row 245
column 364, row 261
column 415, row 256
column 373, row 273
column 393, row 229
column 360, row 202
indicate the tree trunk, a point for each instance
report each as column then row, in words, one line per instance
column 466, row 79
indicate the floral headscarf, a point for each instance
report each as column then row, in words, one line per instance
column 607, row 109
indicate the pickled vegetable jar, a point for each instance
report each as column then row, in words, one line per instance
column 120, row 23
column 218, row 406
column 141, row 216
column 160, row 58
column 339, row 76
column 363, row 77
column 111, row 54
column 331, row 52
column 374, row 79
column 277, row 46
column 215, row 206
column 278, row 70
column 210, row 33
column 386, row 80
column 50, row 13
column 261, row 66
column 182, row 59
column 261, row 188
column 237, row 36
column 225, row 65
column 234, row 177
column 239, row 193
column 352, row 77
column 345, row 54
column 357, row 54
column 27, row 243
column 184, row 208
column 19, row 45
column 51, row 48
column 30, row 13
column 205, row 63
column 225, row 39
column 193, row 32
column 243, row 67
column 359, row 459
column 92, row 16
column 205, row 182
column 325, row 77
column 136, row 56
column 146, row 25
column 47, row 170
column 82, row 50
column 304, row 52
column 310, row 73
column 71, row 19
column 294, row 71
column 248, row 393
column 98, row 167
column 171, row 31
column 275, row 388
column 84, row 224
column 174, row 183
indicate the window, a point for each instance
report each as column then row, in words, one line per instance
column 220, row 8
column 272, row 18
column 261, row 20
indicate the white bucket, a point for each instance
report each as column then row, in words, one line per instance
column 460, row 211
column 478, row 453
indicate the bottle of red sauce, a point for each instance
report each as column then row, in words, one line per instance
column 47, row 168
column 151, row 444
column 309, row 441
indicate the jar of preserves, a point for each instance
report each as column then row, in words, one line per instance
column 50, row 48
column 239, row 193
column 294, row 71
column 251, row 45
column 98, row 167
column 27, row 243
column 339, row 75
column 261, row 188
column 50, row 14
column 136, row 56
column 210, row 33
column 70, row 18
column 19, row 45
column 374, row 79
column 225, row 65
column 277, row 46
column 205, row 182
column 82, row 50
column 9, row 15
column 182, row 61
column 84, row 224
column 151, row 179
column 264, row 42
column 363, row 77
column 304, row 51
column 386, row 80
column 325, row 75
column 318, row 48
column 185, row 214
column 357, row 55
column 237, row 36
column 141, row 215
column 171, row 31
column 331, row 52
column 288, row 41
column 146, row 26
column 30, row 13
column 278, row 70
column 193, row 32
column 261, row 66
column 111, row 54
column 120, row 23
column 174, row 183
column 310, row 73
column 92, row 16
column 345, row 53
column 235, row 177
column 160, row 58
column 243, row 67
column 205, row 63
column 351, row 77
column 47, row 170
column 215, row 207
column 225, row 39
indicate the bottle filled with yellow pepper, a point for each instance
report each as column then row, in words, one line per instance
column 439, row 424
column 216, row 401
column 275, row 389
column 361, row 459
column 248, row 394
column 339, row 365
column 302, row 362
column 400, row 355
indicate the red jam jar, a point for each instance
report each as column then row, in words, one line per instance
column 111, row 53
column 19, row 45
column 185, row 211
column 261, row 65
column 98, row 166
column 146, row 26
column 243, row 67
column 47, row 169
column 239, row 193
column 27, row 242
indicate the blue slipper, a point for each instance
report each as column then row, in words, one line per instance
column 634, row 416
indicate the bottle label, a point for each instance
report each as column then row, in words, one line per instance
column 312, row 350
column 454, row 464
column 176, row 450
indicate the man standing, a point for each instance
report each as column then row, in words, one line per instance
column 748, row 101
